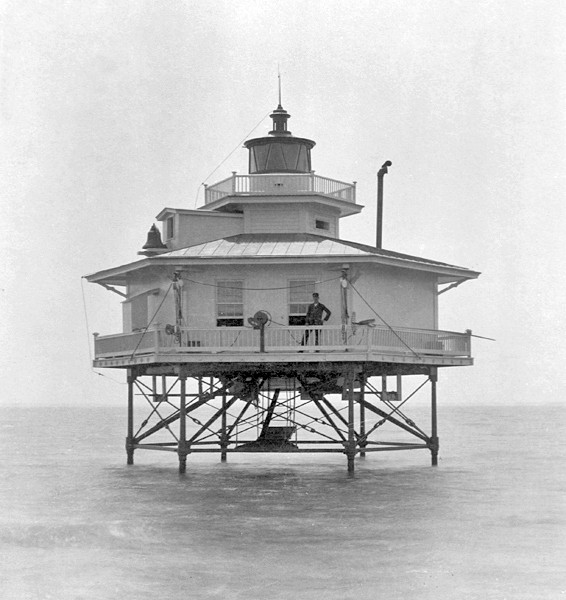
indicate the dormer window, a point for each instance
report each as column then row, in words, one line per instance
column 320, row 224
column 169, row 227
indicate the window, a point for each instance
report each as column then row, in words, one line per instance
column 304, row 162
column 276, row 157
column 319, row 224
column 230, row 304
column 260, row 154
column 300, row 296
column 276, row 160
column 169, row 228
column 291, row 155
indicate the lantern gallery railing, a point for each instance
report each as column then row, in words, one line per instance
column 280, row 184
column 286, row 339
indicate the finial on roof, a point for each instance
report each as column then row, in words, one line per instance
column 279, row 77
column 279, row 115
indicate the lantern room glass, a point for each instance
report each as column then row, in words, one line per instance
column 277, row 157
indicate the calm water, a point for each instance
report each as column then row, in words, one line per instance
column 489, row 522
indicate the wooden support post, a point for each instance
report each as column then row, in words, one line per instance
column 182, row 448
column 434, row 442
column 363, row 444
column 351, row 448
column 130, row 436
column 223, row 432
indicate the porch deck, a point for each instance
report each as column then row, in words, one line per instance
column 283, row 345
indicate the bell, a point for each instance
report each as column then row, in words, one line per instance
column 153, row 240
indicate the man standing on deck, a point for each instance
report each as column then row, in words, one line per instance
column 314, row 316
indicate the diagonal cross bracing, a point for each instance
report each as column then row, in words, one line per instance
column 217, row 414
column 176, row 415
column 391, row 419
column 154, row 410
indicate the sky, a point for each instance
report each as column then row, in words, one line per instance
column 111, row 111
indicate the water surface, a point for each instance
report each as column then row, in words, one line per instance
column 77, row 523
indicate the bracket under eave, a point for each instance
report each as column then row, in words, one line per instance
column 109, row 287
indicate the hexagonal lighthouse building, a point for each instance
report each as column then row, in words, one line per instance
column 226, row 348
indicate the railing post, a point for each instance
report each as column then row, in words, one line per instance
column 234, row 182
column 206, row 193
column 95, row 336
column 469, row 342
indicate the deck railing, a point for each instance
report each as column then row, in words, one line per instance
column 241, row 340
column 280, row 184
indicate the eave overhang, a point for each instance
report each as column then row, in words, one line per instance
column 208, row 254
column 237, row 201
column 119, row 275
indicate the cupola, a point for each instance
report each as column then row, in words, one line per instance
column 280, row 151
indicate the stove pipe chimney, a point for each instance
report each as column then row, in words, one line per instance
column 380, row 174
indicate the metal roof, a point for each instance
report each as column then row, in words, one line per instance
column 290, row 245
column 284, row 247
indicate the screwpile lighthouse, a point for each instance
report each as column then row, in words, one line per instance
column 218, row 353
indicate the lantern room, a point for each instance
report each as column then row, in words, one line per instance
column 280, row 151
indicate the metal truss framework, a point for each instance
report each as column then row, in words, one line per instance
column 339, row 411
